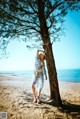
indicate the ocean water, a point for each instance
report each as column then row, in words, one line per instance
column 68, row 75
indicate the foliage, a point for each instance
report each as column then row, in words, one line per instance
column 20, row 18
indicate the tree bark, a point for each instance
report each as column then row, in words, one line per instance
column 52, row 72
column 53, row 80
column 54, row 88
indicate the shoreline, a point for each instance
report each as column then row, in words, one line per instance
column 65, row 75
column 16, row 99
column 26, row 77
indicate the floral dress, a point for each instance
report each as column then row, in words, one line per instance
column 39, row 72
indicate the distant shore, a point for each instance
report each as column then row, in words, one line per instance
column 16, row 99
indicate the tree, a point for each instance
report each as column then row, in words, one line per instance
column 40, row 21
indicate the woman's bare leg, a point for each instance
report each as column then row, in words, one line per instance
column 34, row 93
column 38, row 98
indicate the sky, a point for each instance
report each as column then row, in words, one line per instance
column 66, row 51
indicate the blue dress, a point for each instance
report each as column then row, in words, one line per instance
column 39, row 72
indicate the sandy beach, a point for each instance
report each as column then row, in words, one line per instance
column 16, row 99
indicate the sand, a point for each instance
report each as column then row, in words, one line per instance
column 16, row 99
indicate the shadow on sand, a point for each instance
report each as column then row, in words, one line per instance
column 69, row 109
column 72, row 109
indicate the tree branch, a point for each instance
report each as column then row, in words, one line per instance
column 54, row 7
column 50, row 24
column 32, row 7
column 63, row 10
column 12, row 16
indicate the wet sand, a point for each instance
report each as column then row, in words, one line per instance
column 16, row 99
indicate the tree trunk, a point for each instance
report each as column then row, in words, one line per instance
column 53, row 80
column 54, row 88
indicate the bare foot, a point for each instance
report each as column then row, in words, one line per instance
column 35, row 100
column 38, row 100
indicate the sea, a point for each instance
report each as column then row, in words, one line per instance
column 66, row 75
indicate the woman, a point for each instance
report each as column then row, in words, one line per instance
column 39, row 75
